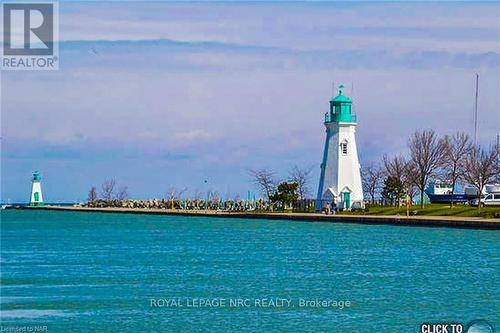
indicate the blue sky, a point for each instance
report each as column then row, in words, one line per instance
column 171, row 94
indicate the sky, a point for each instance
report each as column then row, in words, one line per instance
column 159, row 95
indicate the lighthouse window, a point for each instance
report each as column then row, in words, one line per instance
column 343, row 146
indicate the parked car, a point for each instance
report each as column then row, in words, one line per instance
column 492, row 199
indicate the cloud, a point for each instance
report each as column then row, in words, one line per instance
column 304, row 26
column 216, row 56
column 194, row 135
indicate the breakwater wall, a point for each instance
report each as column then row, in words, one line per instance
column 414, row 221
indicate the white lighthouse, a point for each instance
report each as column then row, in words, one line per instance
column 36, row 190
column 340, row 180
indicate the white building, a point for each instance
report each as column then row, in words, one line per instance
column 340, row 180
column 36, row 190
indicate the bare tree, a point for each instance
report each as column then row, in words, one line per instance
column 411, row 179
column 481, row 167
column 456, row 150
column 301, row 176
column 92, row 195
column 372, row 177
column 174, row 194
column 122, row 193
column 426, row 156
column 397, row 167
column 108, row 190
column 265, row 179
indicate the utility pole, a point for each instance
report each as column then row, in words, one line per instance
column 475, row 110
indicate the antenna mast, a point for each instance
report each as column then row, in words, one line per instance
column 475, row 110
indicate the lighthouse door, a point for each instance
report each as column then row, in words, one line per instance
column 37, row 196
column 347, row 200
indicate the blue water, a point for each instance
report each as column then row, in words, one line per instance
column 95, row 272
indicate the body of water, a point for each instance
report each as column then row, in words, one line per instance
column 99, row 272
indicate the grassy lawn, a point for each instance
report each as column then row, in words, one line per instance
column 432, row 209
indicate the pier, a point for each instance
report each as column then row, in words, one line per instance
column 397, row 220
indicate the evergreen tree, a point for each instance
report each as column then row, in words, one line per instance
column 393, row 190
column 286, row 194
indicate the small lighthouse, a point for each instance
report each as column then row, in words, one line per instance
column 340, row 180
column 36, row 190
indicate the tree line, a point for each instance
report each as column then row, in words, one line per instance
column 286, row 191
column 452, row 158
column 276, row 193
column 109, row 192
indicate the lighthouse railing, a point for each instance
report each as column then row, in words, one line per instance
column 329, row 117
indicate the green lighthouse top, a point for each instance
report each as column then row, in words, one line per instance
column 340, row 109
column 36, row 176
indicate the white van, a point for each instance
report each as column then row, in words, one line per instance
column 492, row 199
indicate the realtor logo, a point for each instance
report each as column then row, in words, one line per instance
column 30, row 36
